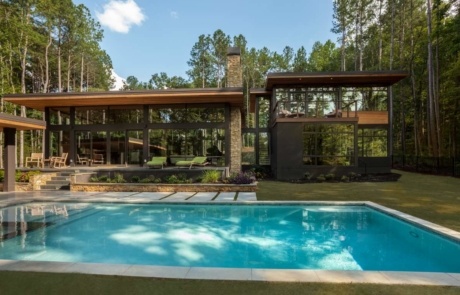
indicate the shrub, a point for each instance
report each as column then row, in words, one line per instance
column 25, row 176
column 242, row 178
column 330, row 176
column 118, row 178
column 321, row 178
column 103, row 178
column 135, row 179
column 261, row 172
column 307, row 175
column 150, row 179
column 353, row 175
column 210, row 176
column 179, row 178
column 94, row 179
column 345, row 178
column 2, row 175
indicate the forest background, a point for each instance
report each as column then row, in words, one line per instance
column 54, row 46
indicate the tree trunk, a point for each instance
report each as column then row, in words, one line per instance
column 47, row 66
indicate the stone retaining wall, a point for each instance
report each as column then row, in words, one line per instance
column 147, row 187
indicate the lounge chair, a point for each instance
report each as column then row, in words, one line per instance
column 82, row 160
column 98, row 159
column 157, row 162
column 35, row 159
column 197, row 161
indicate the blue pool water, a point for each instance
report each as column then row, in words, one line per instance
column 241, row 236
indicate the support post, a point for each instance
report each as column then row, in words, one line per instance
column 9, row 183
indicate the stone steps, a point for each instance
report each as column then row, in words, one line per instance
column 60, row 182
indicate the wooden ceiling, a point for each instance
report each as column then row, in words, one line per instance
column 38, row 101
column 346, row 79
column 20, row 123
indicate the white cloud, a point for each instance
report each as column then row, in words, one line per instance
column 118, row 81
column 120, row 16
column 174, row 14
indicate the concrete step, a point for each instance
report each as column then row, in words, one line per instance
column 54, row 187
column 61, row 178
column 58, row 182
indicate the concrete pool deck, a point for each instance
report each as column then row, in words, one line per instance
column 202, row 273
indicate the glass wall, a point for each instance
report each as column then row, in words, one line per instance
column 186, row 114
column 59, row 116
column 90, row 115
column 135, row 147
column 329, row 144
column 311, row 102
column 59, row 143
column 373, row 142
column 320, row 102
column 117, row 147
column 248, row 151
column 255, row 135
column 126, row 114
column 365, row 98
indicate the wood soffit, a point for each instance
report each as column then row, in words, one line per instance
column 346, row 79
column 20, row 123
column 38, row 101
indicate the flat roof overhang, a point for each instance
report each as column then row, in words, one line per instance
column 254, row 93
column 38, row 101
column 20, row 123
column 346, row 79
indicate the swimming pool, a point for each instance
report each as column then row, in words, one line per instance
column 291, row 236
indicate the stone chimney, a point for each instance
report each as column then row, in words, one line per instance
column 234, row 72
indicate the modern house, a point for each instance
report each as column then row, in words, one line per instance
column 299, row 123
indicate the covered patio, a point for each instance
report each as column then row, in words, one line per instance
column 9, row 124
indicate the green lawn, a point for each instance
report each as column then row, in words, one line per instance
column 434, row 198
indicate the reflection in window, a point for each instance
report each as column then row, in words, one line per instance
column 59, row 116
column 158, row 142
column 315, row 102
column 208, row 142
column 90, row 115
column 59, row 143
column 184, row 114
column 328, row 144
column 365, row 98
column 264, row 149
column 372, row 142
column 126, row 114
column 248, row 154
column 264, row 112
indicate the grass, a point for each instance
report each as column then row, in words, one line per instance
column 434, row 198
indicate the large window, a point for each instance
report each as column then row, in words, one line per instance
column 372, row 142
column 90, row 115
column 364, row 98
column 126, row 114
column 315, row 102
column 59, row 116
column 329, row 144
column 186, row 114
column 208, row 142
column 248, row 152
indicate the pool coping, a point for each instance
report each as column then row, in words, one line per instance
column 243, row 274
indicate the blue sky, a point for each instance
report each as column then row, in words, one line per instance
column 144, row 37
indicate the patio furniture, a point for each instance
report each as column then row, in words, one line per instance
column 59, row 162
column 35, row 159
column 98, row 159
column 82, row 160
column 197, row 161
column 157, row 162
